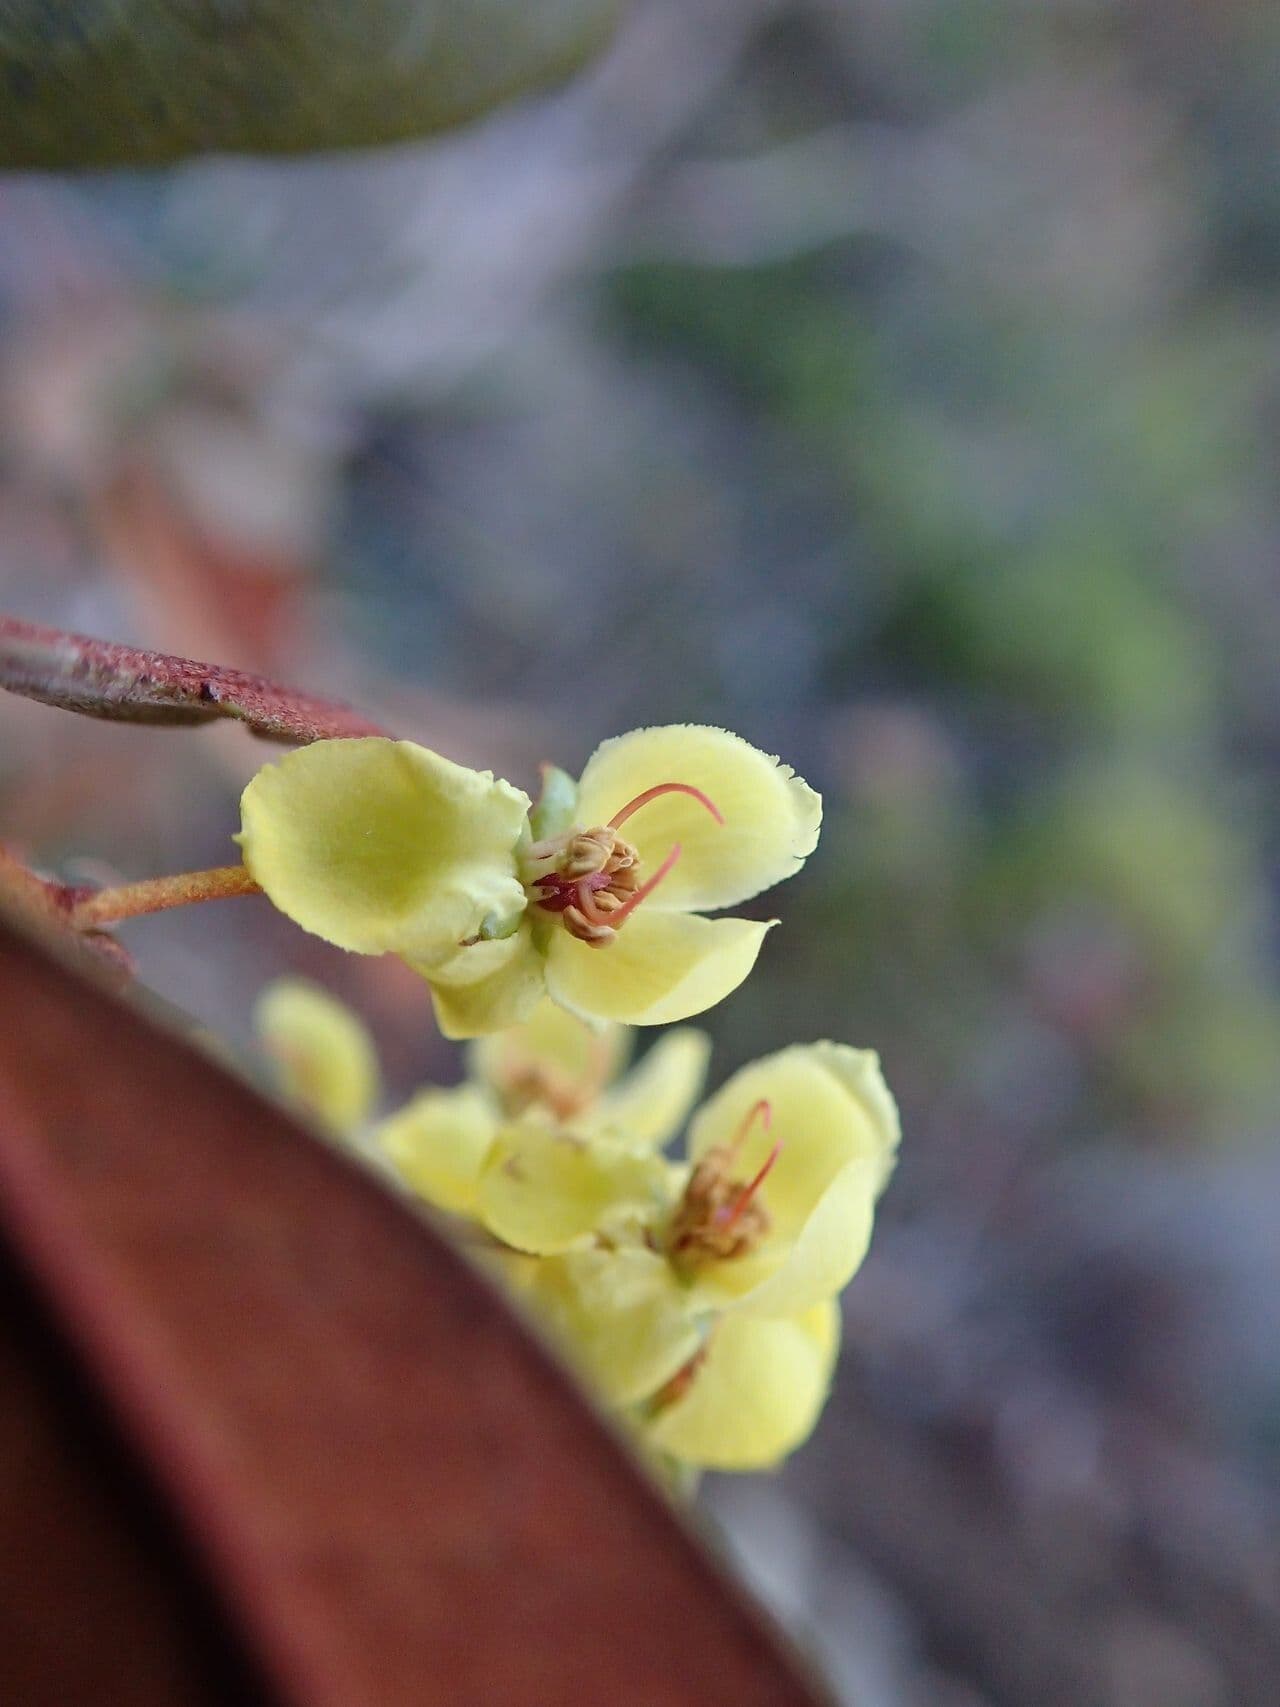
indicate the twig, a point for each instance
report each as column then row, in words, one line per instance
column 101, row 679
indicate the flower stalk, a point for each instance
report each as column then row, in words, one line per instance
column 79, row 908
column 157, row 894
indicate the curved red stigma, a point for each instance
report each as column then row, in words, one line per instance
column 727, row 1217
column 620, row 818
column 761, row 1111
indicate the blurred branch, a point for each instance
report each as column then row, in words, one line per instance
column 100, row 679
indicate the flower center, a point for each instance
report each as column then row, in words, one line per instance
column 721, row 1216
column 527, row 1083
column 594, row 880
column 535, row 1086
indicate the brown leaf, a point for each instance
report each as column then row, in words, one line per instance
column 264, row 1437
column 101, row 679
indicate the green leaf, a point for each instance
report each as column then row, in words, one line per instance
column 141, row 82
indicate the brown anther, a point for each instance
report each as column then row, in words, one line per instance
column 579, row 925
column 588, row 852
column 718, row 1217
column 680, row 1382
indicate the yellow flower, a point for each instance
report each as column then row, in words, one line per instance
column 552, row 1063
column 771, row 1214
column 702, row 1298
column 751, row 1395
column 437, row 1145
column 323, row 1057
column 787, row 1161
column 556, row 1065
column 696, row 1300
column 618, row 1315
column 545, row 1142
column 544, row 1189
column 381, row 845
column 726, row 1390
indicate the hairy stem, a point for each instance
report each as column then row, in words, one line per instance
column 155, row 894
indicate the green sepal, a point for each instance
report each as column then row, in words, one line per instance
column 557, row 804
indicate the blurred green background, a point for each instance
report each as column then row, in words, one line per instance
column 897, row 383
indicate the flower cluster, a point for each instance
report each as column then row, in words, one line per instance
column 696, row 1296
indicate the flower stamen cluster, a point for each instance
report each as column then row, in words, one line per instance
column 720, row 1217
column 594, row 882
column 696, row 1295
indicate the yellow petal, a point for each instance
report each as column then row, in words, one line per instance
column 829, row 1106
column 824, row 1255
column 771, row 817
column 544, row 1189
column 323, row 1056
column 859, row 1071
column 757, row 1394
column 654, row 1100
column 437, row 1144
column 380, row 845
column 661, row 967
column 618, row 1316
column 553, row 1059
column 488, row 986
